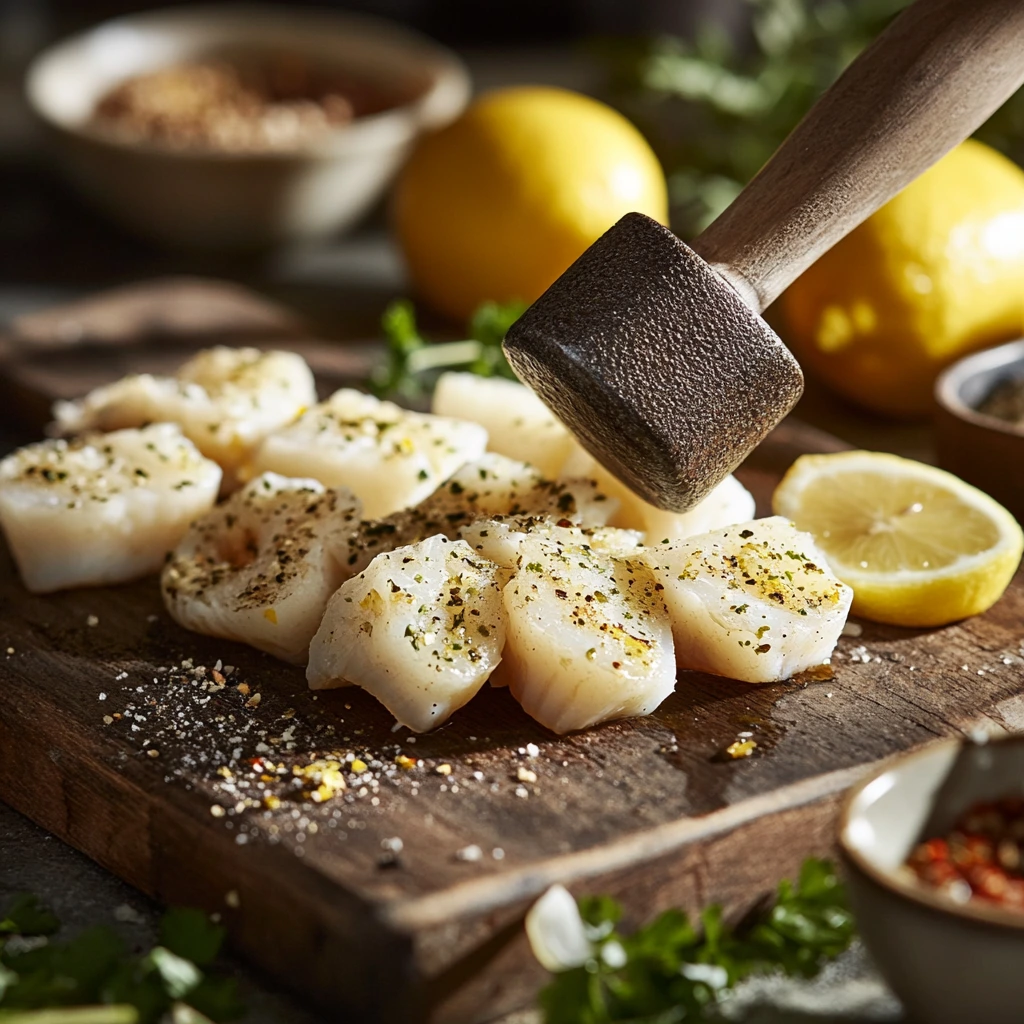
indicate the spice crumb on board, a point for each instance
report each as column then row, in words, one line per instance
column 285, row 774
column 92, row 620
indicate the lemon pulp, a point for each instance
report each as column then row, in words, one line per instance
column 919, row 546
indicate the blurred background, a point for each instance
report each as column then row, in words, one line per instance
column 356, row 190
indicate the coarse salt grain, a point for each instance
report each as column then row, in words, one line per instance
column 470, row 853
column 92, row 620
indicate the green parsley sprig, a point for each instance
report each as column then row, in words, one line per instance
column 411, row 363
column 92, row 979
column 672, row 971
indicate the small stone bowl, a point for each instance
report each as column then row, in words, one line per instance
column 948, row 962
column 242, row 200
column 983, row 450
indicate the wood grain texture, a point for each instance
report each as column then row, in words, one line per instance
column 149, row 327
column 646, row 809
column 936, row 74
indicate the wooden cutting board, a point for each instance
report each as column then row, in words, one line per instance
column 112, row 738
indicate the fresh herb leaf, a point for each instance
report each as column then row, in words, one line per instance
column 27, row 916
column 92, row 980
column 670, row 971
column 191, row 934
column 217, row 998
column 62, row 974
column 411, row 363
column 179, row 976
column 136, row 984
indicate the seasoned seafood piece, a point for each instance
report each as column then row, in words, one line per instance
column 490, row 485
column 421, row 628
column 104, row 508
column 589, row 637
column 755, row 602
column 500, row 538
column 518, row 423
column 261, row 567
column 390, row 457
column 226, row 401
column 730, row 502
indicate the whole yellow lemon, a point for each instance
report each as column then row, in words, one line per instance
column 937, row 272
column 499, row 203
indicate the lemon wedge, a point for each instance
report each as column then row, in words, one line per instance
column 918, row 546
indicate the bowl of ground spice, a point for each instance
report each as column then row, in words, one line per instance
column 241, row 126
column 979, row 429
column 933, row 844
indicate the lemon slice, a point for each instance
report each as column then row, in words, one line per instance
column 918, row 545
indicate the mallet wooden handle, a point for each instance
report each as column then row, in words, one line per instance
column 936, row 73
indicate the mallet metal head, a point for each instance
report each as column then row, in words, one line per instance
column 655, row 363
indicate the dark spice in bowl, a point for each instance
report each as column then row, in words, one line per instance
column 245, row 104
column 1006, row 401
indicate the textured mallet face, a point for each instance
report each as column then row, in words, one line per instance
column 655, row 363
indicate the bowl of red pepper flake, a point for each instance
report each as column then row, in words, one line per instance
column 981, row 858
column 933, row 843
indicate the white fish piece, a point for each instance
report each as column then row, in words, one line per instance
column 497, row 485
column 390, row 457
column 226, row 401
column 755, row 602
column 518, row 423
column 488, row 486
column 104, row 508
column 500, row 538
column 589, row 638
column 261, row 567
column 421, row 629
column 730, row 502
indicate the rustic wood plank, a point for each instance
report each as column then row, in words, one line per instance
column 646, row 809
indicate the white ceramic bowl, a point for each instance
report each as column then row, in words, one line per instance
column 233, row 200
column 949, row 963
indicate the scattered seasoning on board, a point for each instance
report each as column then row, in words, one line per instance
column 981, row 858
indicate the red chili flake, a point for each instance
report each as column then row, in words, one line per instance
column 981, row 855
